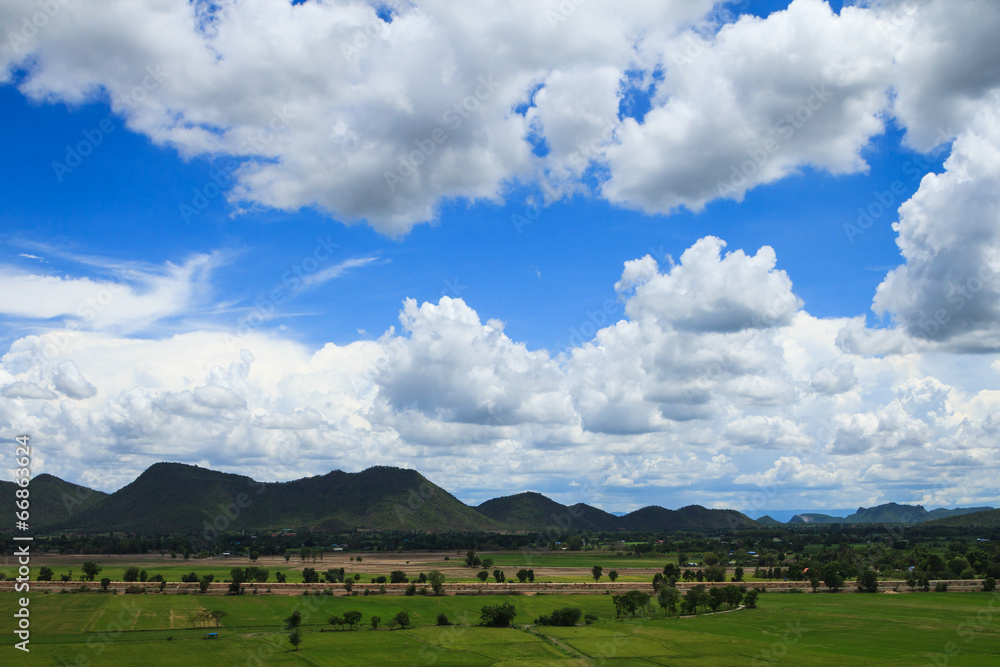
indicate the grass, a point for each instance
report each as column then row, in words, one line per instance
column 844, row 629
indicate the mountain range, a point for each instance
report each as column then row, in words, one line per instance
column 181, row 499
column 890, row 513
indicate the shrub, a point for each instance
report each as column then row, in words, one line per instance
column 590, row 618
column 498, row 616
column 402, row 619
column 442, row 619
column 990, row 584
column 941, row 587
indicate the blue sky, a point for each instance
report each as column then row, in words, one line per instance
column 541, row 278
column 769, row 341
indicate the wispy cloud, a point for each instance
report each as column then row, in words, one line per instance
column 334, row 272
column 134, row 299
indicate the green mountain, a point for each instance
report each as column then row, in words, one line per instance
column 942, row 513
column 888, row 513
column 596, row 518
column 533, row 511
column 815, row 518
column 183, row 499
column 986, row 519
column 766, row 520
column 50, row 500
column 692, row 517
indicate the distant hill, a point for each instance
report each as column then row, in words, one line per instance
column 766, row 520
column 888, row 513
column 596, row 518
column 51, row 500
column 942, row 513
column 533, row 511
column 816, row 518
column 989, row 519
column 183, row 499
column 692, row 517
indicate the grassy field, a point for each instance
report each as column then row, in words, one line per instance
column 803, row 629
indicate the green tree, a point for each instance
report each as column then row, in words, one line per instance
column 397, row 577
column 105, row 582
column 710, row 558
column 375, row 620
column 204, row 584
column 522, row 575
column 498, row 616
column 630, row 603
column 483, row 575
column 442, row 619
column 44, row 574
column 487, row 563
column 613, row 575
column 236, row 578
column 436, row 579
column 868, row 582
column 750, row 599
column 131, row 574
column 295, row 638
column 738, row 574
column 498, row 575
column 217, row 615
column 91, row 570
column 668, row 597
column 293, row 621
column 989, row 584
column 352, row 618
column 596, row 572
column 402, row 619
column 254, row 555
column 832, row 577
